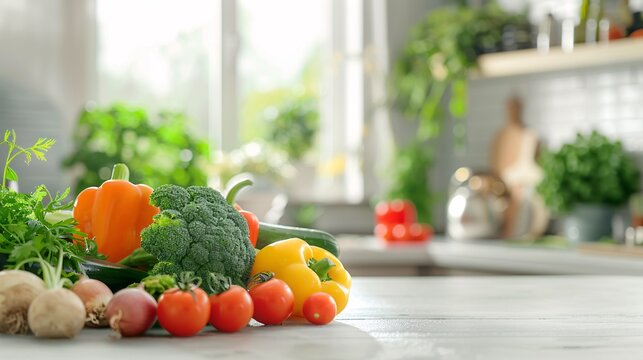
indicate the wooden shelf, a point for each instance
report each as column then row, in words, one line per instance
column 531, row 61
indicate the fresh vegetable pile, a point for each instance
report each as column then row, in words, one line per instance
column 190, row 256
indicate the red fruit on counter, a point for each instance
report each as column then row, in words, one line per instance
column 395, row 212
column 401, row 232
column 420, row 232
column 384, row 231
column 415, row 232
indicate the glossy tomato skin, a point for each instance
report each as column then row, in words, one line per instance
column 395, row 212
column 231, row 310
column 273, row 302
column 183, row 313
column 320, row 308
column 417, row 232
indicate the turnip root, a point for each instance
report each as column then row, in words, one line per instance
column 56, row 313
column 95, row 295
column 18, row 289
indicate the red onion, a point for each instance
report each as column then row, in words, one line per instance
column 131, row 312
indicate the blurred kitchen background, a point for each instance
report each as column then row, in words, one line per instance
column 514, row 127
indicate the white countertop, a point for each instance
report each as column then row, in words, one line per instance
column 486, row 255
column 584, row 317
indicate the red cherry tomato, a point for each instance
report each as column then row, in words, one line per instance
column 273, row 301
column 183, row 313
column 320, row 308
column 395, row 212
column 231, row 310
column 384, row 231
column 401, row 232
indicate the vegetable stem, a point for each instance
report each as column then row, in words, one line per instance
column 218, row 283
column 120, row 172
column 187, row 280
column 51, row 276
column 321, row 268
column 232, row 193
column 6, row 165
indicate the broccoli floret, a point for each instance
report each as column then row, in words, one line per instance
column 156, row 285
column 198, row 231
column 170, row 197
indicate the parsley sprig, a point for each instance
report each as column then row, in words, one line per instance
column 27, row 227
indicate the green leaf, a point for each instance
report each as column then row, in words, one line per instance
column 27, row 157
column 44, row 144
column 11, row 174
column 7, row 133
column 39, row 155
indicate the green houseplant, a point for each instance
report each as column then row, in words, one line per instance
column 293, row 126
column 429, row 82
column 159, row 150
column 586, row 180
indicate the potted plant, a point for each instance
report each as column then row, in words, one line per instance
column 586, row 180
column 293, row 128
column 158, row 150
column 429, row 82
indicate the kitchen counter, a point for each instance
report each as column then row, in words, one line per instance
column 364, row 255
column 572, row 317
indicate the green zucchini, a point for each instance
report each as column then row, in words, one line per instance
column 269, row 233
column 115, row 276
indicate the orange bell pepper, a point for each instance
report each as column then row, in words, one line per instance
column 115, row 213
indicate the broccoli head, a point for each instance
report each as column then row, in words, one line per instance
column 198, row 231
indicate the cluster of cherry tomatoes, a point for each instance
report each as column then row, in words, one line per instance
column 396, row 221
column 185, row 313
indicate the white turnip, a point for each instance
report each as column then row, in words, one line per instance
column 56, row 312
column 95, row 295
column 18, row 289
column 131, row 312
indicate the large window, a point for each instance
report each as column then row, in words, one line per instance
column 285, row 72
column 157, row 54
column 281, row 44
column 301, row 57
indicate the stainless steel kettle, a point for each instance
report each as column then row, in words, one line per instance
column 476, row 205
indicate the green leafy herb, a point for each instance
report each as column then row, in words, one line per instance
column 27, row 227
column 592, row 169
column 38, row 150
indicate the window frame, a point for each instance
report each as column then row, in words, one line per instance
column 345, row 96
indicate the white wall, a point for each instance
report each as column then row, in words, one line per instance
column 556, row 105
column 46, row 62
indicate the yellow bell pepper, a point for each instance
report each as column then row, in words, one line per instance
column 306, row 269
